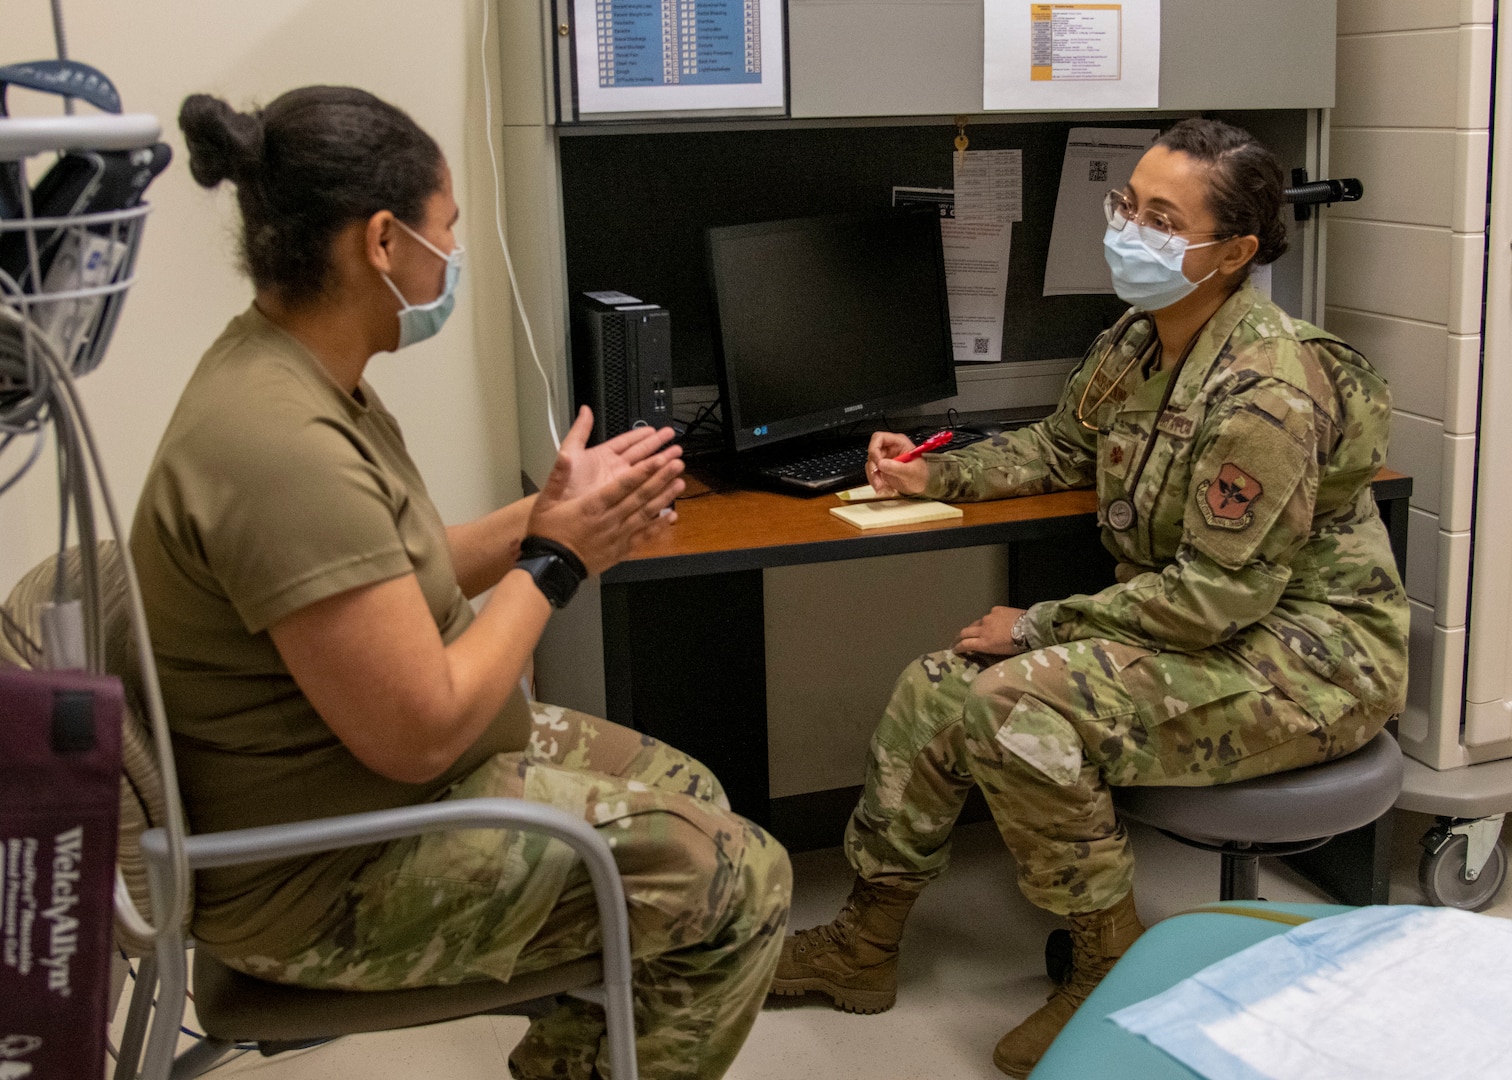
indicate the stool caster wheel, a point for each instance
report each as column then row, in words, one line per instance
column 1058, row 956
column 1444, row 872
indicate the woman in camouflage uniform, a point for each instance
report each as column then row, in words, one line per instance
column 1257, row 624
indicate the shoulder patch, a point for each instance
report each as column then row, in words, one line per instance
column 1227, row 501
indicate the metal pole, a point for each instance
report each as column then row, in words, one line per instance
column 1240, row 879
column 62, row 39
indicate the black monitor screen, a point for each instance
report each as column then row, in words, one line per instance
column 825, row 321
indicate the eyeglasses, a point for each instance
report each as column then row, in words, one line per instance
column 1155, row 229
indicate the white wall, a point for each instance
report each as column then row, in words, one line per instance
column 454, row 395
column 1404, row 285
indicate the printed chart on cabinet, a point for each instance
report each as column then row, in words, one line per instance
column 1071, row 56
column 659, row 57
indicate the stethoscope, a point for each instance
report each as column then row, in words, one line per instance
column 1120, row 513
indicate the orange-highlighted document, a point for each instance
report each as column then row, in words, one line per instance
column 1075, row 41
column 1096, row 55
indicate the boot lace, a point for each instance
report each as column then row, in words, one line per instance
column 834, row 934
column 1096, row 946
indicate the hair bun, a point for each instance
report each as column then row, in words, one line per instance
column 1274, row 240
column 223, row 144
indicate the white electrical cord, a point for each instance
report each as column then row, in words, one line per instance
column 514, row 285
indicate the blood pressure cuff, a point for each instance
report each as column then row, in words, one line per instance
column 60, row 740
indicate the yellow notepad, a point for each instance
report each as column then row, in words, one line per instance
column 890, row 512
column 864, row 493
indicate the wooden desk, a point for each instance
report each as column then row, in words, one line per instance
column 725, row 532
column 684, row 621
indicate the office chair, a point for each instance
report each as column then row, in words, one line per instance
column 237, row 1009
column 1285, row 813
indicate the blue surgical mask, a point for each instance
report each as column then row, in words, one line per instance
column 420, row 321
column 1145, row 277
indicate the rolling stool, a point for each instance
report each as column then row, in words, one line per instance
column 1282, row 814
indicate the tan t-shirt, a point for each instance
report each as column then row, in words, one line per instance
column 273, row 488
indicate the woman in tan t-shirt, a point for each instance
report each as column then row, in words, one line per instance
column 318, row 655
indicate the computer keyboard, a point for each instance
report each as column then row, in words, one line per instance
column 820, row 470
column 828, row 467
column 958, row 438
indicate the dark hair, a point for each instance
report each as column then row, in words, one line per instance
column 307, row 165
column 1245, row 185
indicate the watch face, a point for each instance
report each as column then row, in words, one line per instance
column 552, row 576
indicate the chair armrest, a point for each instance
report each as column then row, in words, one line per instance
column 238, row 846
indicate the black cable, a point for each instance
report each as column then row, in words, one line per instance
column 705, row 414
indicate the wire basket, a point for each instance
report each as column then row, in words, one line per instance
column 73, row 276
column 63, row 278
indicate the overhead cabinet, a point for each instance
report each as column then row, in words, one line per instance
column 856, row 58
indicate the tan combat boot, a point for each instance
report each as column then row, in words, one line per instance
column 853, row 959
column 1098, row 939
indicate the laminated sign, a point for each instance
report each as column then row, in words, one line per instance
column 60, row 745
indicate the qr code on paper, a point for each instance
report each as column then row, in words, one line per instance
column 981, row 345
column 1097, row 172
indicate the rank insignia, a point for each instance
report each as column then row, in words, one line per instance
column 1115, row 455
column 1228, row 500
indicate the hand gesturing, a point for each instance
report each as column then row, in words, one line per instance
column 587, row 468
column 600, row 501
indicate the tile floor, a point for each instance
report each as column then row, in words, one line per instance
column 972, row 966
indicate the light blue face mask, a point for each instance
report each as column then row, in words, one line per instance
column 1145, row 277
column 420, row 321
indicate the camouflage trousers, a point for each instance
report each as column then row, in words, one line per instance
column 708, row 896
column 1046, row 734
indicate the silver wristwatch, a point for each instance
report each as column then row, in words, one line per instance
column 1020, row 631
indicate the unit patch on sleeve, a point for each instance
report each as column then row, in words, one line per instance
column 1228, row 500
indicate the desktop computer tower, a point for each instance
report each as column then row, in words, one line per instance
column 622, row 363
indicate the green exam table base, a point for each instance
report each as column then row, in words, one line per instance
column 1092, row 1047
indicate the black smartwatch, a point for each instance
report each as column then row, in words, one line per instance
column 555, row 569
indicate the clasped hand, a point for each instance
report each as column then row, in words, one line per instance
column 602, row 501
column 991, row 635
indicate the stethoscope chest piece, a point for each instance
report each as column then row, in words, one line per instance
column 1120, row 515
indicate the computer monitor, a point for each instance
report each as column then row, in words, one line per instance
column 825, row 321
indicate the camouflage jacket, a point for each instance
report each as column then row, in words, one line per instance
column 1254, row 526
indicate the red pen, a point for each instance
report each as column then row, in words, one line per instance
column 934, row 442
